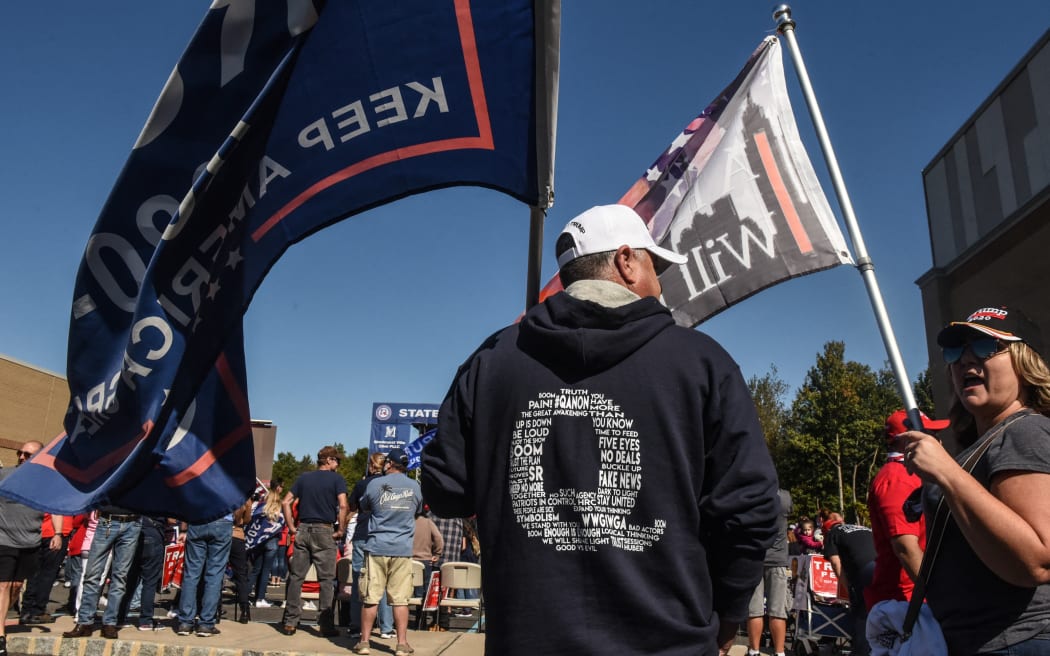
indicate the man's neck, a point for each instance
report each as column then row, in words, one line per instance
column 603, row 292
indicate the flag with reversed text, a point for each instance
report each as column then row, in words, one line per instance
column 280, row 118
column 736, row 193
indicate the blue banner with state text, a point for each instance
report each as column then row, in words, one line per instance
column 397, row 425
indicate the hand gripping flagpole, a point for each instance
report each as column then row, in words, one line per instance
column 786, row 27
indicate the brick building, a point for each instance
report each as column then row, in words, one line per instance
column 33, row 403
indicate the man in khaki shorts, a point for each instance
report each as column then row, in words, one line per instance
column 771, row 595
column 393, row 500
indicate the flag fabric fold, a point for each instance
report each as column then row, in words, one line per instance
column 736, row 193
column 280, row 119
column 414, row 449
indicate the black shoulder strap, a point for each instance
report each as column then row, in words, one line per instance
column 940, row 522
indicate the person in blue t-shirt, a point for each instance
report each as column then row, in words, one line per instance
column 392, row 501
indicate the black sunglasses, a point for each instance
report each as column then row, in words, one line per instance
column 982, row 348
column 21, row 453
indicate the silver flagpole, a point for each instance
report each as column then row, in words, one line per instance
column 786, row 27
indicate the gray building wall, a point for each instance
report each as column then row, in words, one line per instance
column 988, row 208
column 995, row 166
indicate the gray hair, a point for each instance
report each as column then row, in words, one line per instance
column 587, row 267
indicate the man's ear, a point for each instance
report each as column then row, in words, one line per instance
column 626, row 262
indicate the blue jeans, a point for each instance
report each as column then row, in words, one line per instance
column 144, row 576
column 262, row 563
column 1037, row 645
column 386, row 613
column 74, row 572
column 280, row 561
column 122, row 538
column 428, row 569
column 152, row 569
column 207, row 551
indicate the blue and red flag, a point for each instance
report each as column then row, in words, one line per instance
column 281, row 118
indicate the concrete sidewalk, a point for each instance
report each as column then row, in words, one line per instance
column 259, row 637
column 251, row 639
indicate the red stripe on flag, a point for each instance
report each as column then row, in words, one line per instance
column 481, row 142
column 769, row 163
column 470, row 58
column 97, row 468
column 226, row 442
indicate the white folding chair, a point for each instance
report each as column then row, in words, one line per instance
column 417, row 581
column 343, row 574
column 461, row 576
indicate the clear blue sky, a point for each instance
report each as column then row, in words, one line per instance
column 384, row 306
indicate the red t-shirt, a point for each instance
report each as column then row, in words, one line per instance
column 886, row 495
column 47, row 530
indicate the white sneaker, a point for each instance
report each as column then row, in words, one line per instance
column 310, row 605
column 262, row 603
column 172, row 614
column 387, row 636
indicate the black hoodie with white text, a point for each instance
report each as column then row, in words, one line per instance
column 623, row 490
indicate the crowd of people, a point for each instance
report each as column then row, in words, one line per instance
column 666, row 539
column 605, row 359
column 275, row 536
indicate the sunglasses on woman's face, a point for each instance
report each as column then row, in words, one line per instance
column 982, row 349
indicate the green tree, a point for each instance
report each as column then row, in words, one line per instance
column 768, row 392
column 353, row 466
column 287, row 468
column 833, row 433
column 923, row 390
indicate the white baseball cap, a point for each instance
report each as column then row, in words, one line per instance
column 606, row 228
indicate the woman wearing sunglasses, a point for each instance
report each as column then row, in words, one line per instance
column 990, row 583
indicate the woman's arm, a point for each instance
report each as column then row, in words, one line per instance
column 1008, row 526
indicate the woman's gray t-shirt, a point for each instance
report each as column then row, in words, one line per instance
column 979, row 612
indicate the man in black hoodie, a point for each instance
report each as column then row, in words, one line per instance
column 624, row 494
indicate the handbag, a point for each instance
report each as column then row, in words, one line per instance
column 918, row 631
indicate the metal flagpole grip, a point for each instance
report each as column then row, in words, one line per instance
column 786, row 27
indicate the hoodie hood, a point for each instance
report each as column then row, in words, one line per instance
column 579, row 338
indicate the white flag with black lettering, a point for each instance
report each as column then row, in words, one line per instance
column 735, row 191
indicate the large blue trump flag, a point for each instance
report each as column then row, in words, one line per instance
column 281, row 118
